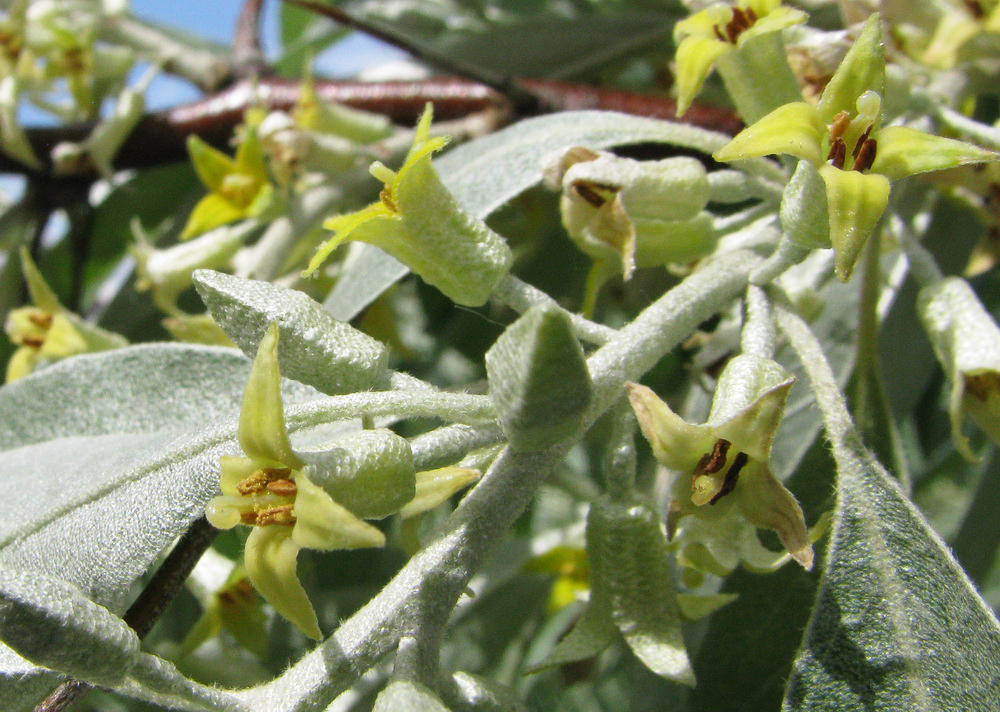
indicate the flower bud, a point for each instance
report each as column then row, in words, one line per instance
column 369, row 472
column 966, row 341
column 627, row 212
column 539, row 380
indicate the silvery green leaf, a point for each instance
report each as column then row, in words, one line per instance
column 631, row 576
column 539, row 380
column 897, row 624
column 52, row 624
column 141, row 389
column 315, row 348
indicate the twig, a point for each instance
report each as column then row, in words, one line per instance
column 248, row 57
column 161, row 137
column 149, row 606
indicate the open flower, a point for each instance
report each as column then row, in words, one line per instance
column 312, row 499
column 718, row 29
column 46, row 331
column 966, row 341
column 727, row 456
column 420, row 223
column 842, row 136
column 270, row 488
column 238, row 187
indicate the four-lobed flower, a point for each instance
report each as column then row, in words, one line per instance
column 419, row 222
column 271, row 489
column 718, row 30
column 46, row 331
column 312, row 499
column 726, row 459
column 238, row 187
column 842, row 136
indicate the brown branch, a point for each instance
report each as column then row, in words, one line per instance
column 161, row 136
column 151, row 603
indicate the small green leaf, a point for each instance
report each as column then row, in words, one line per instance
column 630, row 571
column 315, row 348
column 539, row 380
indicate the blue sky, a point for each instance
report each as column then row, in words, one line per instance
column 216, row 20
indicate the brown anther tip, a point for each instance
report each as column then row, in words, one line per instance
column 751, row 15
column 35, row 342
column 718, row 457
column 248, row 518
column 282, row 515
column 732, row 477
column 588, row 191
column 861, row 141
column 43, row 320
column 718, row 33
column 838, row 153
column 282, row 488
column 865, row 156
column 386, row 197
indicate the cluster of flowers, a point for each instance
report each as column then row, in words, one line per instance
column 622, row 213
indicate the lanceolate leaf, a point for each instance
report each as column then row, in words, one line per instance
column 898, row 625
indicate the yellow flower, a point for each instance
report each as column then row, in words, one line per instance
column 420, row 223
column 270, row 489
column 855, row 157
column 718, row 29
column 46, row 331
column 728, row 456
column 314, row 499
column 238, row 188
